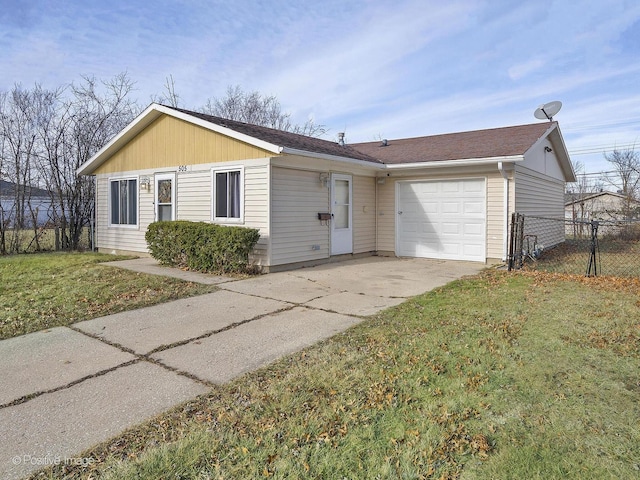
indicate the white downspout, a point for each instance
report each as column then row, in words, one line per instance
column 505, row 204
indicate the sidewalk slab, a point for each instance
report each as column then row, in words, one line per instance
column 51, row 359
column 65, row 423
column 151, row 266
column 148, row 328
column 228, row 354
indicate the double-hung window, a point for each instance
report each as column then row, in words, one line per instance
column 228, row 202
column 123, row 201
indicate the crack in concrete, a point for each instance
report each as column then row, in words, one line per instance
column 147, row 356
column 31, row 396
column 142, row 357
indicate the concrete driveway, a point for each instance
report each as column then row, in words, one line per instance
column 66, row 389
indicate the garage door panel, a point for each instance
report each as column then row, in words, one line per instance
column 449, row 186
column 475, row 229
column 449, row 228
column 442, row 219
column 474, row 208
column 428, row 229
column 476, row 187
column 451, row 208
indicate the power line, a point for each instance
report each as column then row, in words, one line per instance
column 603, row 148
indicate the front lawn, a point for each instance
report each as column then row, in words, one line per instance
column 40, row 291
column 494, row 377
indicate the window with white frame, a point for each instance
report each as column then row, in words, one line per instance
column 227, row 194
column 123, row 201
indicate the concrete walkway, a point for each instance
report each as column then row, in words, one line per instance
column 66, row 389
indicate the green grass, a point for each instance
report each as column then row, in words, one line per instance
column 494, row 377
column 40, row 291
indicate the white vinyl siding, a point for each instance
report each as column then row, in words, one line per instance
column 542, row 196
column 256, row 208
column 364, row 214
column 296, row 233
column 194, row 194
column 193, row 203
column 115, row 238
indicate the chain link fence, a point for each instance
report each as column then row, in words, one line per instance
column 575, row 246
column 46, row 238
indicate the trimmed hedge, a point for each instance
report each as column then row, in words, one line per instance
column 203, row 247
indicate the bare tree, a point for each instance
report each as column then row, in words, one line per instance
column 18, row 117
column 258, row 109
column 169, row 96
column 626, row 165
column 95, row 112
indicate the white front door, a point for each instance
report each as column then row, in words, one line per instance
column 165, row 196
column 341, row 214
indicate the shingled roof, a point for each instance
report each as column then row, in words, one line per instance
column 490, row 143
column 285, row 139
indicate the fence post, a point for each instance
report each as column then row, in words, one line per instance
column 510, row 254
column 593, row 261
column 520, row 239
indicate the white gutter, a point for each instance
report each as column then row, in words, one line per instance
column 455, row 163
column 505, row 203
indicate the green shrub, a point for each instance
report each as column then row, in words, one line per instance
column 203, row 247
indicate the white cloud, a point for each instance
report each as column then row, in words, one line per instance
column 523, row 69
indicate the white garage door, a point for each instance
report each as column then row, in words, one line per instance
column 442, row 219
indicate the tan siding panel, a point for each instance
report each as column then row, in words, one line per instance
column 297, row 197
column 387, row 216
column 169, row 141
column 364, row 214
column 495, row 216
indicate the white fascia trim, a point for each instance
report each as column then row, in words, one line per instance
column 325, row 156
column 467, row 162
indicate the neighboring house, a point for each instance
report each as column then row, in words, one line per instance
column 38, row 204
column 444, row 196
column 602, row 206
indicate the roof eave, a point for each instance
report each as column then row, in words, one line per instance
column 466, row 162
column 326, row 156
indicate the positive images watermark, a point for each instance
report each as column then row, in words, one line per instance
column 52, row 460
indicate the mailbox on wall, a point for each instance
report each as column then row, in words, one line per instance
column 324, row 216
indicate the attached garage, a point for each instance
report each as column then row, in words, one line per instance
column 443, row 219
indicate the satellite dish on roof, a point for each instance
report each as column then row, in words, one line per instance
column 548, row 110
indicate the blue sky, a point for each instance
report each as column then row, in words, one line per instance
column 373, row 68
